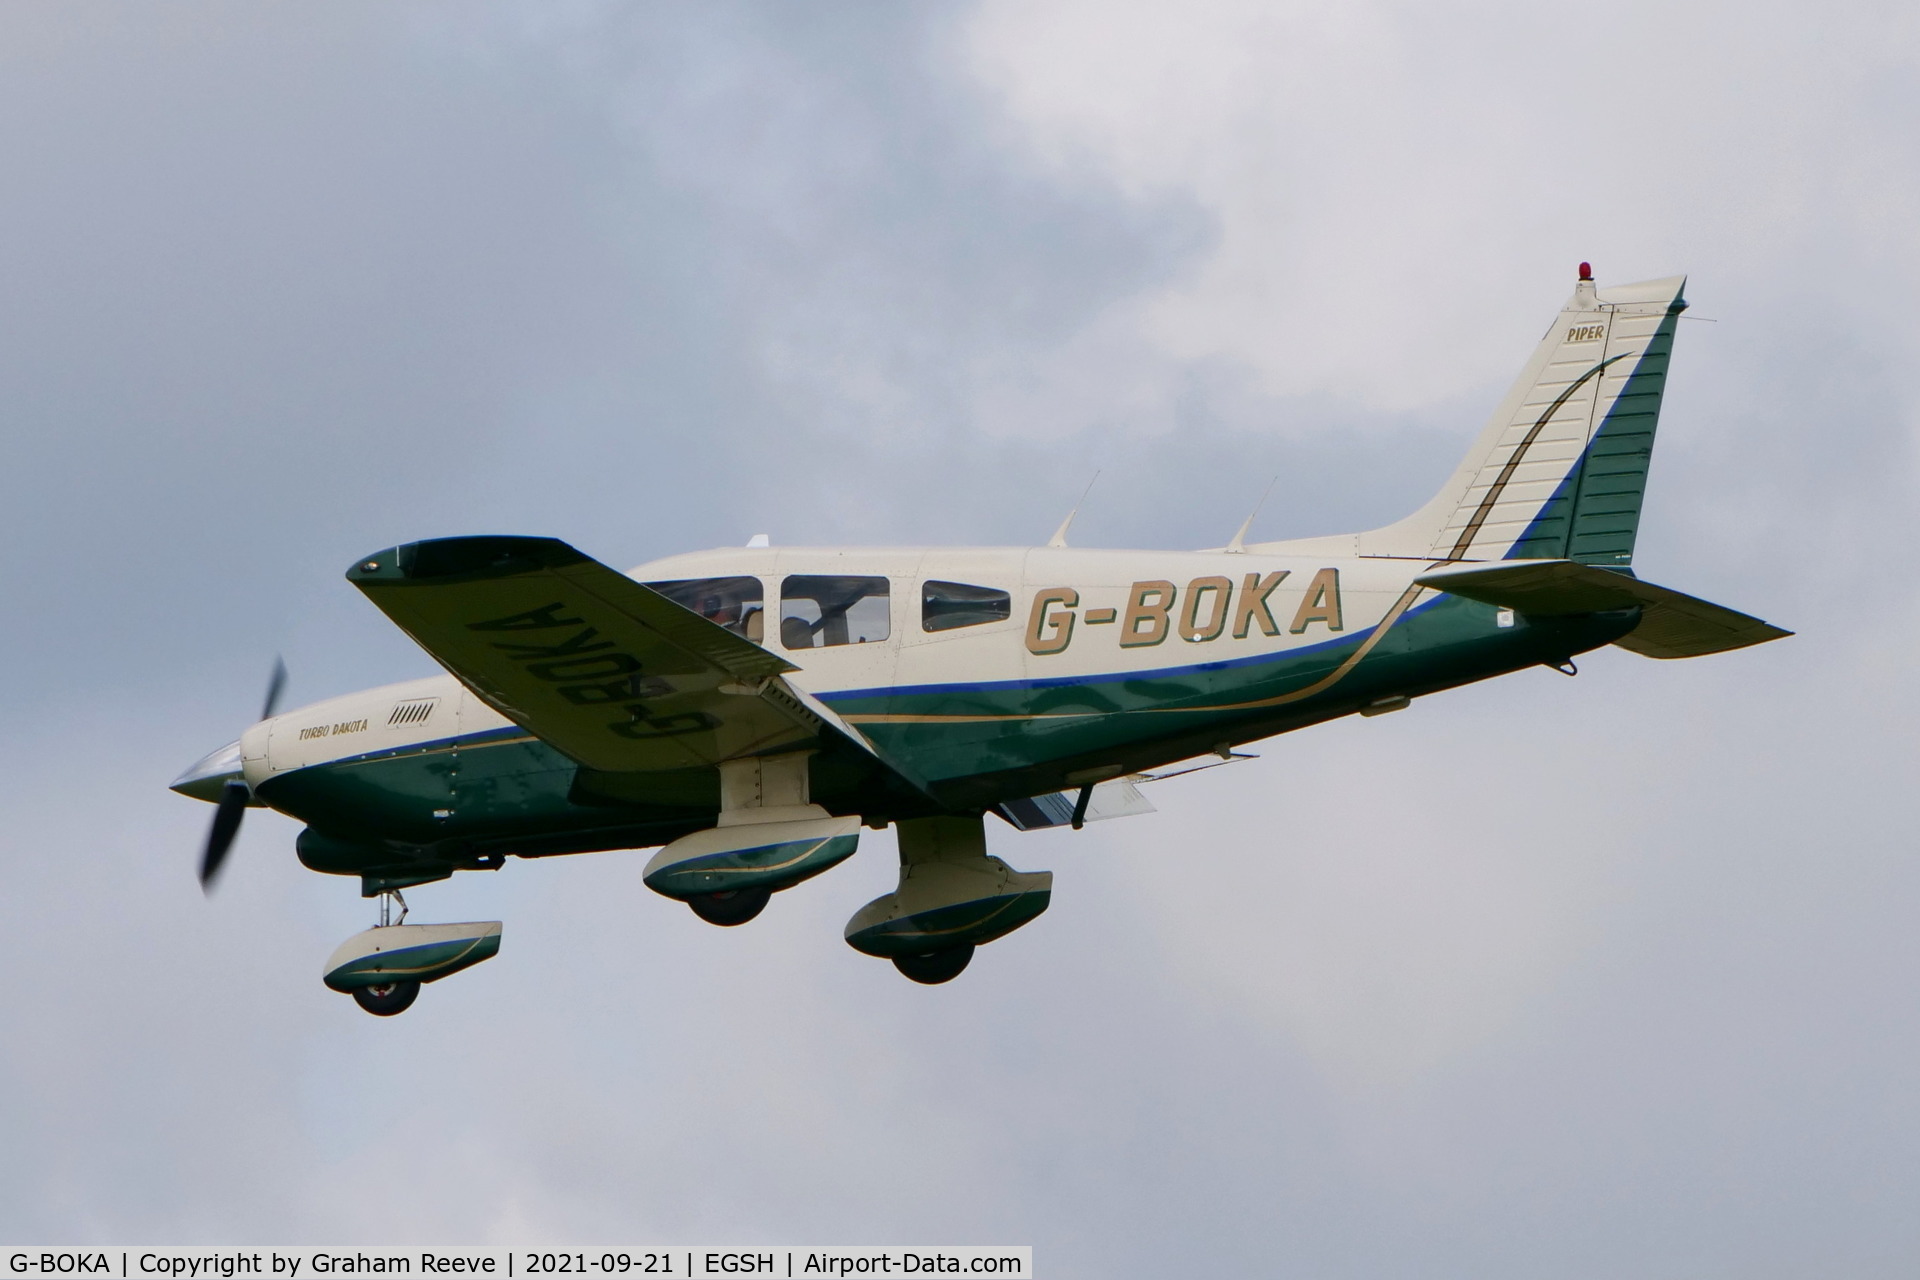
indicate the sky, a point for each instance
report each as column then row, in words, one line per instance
column 1590, row 977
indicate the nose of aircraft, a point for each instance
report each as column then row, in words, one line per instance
column 220, row 778
column 208, row 776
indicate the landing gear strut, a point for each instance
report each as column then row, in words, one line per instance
column 387, row 900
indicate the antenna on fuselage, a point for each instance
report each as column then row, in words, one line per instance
column 1239, row 544
column 1059, row 538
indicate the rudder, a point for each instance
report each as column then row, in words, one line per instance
column 1560, row 471
column 1594, row 514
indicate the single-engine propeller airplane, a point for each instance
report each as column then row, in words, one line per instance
column 748, row 711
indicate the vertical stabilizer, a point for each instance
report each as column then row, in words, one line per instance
column 1560, row 470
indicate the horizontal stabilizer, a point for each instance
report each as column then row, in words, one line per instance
column 1672, row 624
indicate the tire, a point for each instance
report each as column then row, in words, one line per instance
column 735, row 906
column 936, row 967
column 387, row 1000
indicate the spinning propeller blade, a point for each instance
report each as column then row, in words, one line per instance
column 235, row 796
column 226, row 825
column 275, row 685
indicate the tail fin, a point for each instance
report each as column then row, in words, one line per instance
column 1559, row 472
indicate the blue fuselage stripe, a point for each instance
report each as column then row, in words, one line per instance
column 1116, row 677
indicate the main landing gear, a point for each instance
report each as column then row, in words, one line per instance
column 953, row 896
column 384, row 968
column 770, row 837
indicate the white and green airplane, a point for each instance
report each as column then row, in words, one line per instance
column 747, row 711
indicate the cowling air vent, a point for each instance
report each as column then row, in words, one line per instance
column 413, row 712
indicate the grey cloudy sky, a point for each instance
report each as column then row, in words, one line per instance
column 1582, row 977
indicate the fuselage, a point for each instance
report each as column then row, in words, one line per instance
column 992, row 673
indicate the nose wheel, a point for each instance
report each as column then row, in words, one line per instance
column 388, row 998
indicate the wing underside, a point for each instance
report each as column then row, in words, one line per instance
column 605, row 669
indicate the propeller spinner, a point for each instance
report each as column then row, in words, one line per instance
column 235, row 796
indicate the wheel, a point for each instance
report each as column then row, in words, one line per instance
column 935, row 967
column 735, row 906
column 387, row 999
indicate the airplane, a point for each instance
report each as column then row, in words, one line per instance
column 747, row 712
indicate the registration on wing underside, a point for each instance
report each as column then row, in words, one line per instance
column 609, row 671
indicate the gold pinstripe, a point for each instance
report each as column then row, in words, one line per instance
column 1339, row 673
column 1499, row 485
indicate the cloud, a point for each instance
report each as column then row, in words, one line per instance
column 1389, row 180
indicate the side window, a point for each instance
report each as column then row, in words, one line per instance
column 738, row 604
column 817, row 611
column 946, row 605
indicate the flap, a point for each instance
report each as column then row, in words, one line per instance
column 1672, row 624
column 1116, row 799
column 609, row 671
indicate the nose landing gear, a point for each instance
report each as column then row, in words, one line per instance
column 384, row 968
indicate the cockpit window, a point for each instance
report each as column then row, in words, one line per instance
column 946, row 605
column 817, row 611
column 738, row 604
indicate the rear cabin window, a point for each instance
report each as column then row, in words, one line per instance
column 818, row 611
column 946, row 605
column 738, row 604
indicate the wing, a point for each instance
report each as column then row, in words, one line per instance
column 610, row 672
column 1672, row 624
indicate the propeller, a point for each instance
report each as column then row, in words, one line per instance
column 235, row 796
